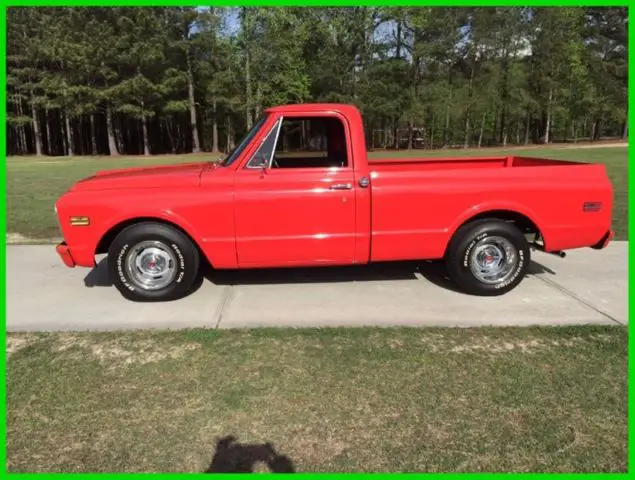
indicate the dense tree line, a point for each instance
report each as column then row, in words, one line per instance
column 128, row 80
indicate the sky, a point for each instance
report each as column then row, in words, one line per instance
column 387, row 29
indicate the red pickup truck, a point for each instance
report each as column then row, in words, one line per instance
column 299, row 190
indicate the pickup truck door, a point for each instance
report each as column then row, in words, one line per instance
column 288, row 213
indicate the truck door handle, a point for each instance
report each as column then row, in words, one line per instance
column 341, row 186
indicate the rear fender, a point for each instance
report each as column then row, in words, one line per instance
column 483, row 209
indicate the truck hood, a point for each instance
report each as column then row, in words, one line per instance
column 182, row 175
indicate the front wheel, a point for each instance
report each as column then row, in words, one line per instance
column 151, row 261
column 488, row 257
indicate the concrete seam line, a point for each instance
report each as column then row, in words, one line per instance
column 578, row 298
column 220, row 310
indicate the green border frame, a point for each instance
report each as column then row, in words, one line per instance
column 306, row 3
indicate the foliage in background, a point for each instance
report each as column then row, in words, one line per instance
column 124, row 80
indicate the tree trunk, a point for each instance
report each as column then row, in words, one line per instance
column 10, row 142
column 119, row 131
column 548, row 124
column 23, row 140
column 18, row 141
column 527, row 128
column 395, row 133
column 495, row 126
column 466, row 140
column 258, row 100
column 384, row 133
column 168, row 131
column 36, row 131
column 69, row 136
column 446, row 130
column 503, row 125
column 574, row 131
column 410, row 135
column 480, row 135
column 144, row 130
column 248, row 117
column 597, row 130
column 625, row 131
column 196, row 147
column 112, row 142
column 468, row 110
column 138, row 137
column 504, row 95
column 49, row 138
column 24, row 147
column 229, row 144
column 80, row 129
column 63, row 133
column 93, row 135
column 214, row 128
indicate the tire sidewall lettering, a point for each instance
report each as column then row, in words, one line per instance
column 180, row 263
column 120, row 269
column 514, row 276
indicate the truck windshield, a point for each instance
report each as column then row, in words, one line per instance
column 235, row 153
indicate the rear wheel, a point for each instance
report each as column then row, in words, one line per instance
column 151, row 261
column 488, row 257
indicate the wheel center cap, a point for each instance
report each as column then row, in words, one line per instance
column 152, row 263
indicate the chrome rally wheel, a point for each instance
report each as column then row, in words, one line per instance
column 151, row 265
column 493, row 260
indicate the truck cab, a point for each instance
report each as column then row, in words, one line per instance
column 302, row 190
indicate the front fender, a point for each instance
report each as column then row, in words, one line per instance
column 167, row 216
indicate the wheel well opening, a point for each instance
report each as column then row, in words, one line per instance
column 110, row 235
column 522, row 222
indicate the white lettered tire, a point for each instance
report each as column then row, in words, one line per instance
column 151, row 261
column 488, row 257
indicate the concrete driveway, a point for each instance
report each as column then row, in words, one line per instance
column 587, row 287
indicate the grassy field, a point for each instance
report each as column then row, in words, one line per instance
column 488, row 399
column 34, row 184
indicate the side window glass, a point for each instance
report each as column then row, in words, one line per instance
column 311, row 142
column 262, row 157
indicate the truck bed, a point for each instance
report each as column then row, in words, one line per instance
column 461, row 163
column 425, row 200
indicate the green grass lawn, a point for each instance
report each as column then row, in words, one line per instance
column 34, row 184
column 486, row 399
